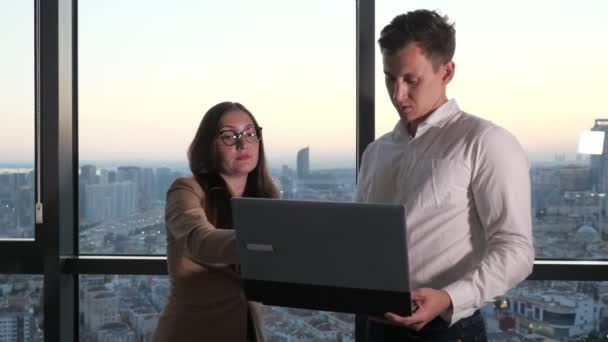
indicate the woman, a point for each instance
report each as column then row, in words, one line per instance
column 206, row 302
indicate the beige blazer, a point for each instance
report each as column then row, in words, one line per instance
column 206, row 300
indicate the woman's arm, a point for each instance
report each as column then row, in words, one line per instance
column 186, row 219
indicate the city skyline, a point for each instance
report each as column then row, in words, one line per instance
column 122, row 211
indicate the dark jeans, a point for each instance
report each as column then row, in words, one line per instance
column 470, row 329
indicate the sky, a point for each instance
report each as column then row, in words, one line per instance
column 150, row 69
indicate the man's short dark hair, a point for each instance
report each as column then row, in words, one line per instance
column 433, row 33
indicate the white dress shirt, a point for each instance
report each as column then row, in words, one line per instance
column 465, row 185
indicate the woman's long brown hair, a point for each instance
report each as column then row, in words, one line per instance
column 204, row 163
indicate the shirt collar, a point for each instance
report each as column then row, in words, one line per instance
column 437, row 119
column 442, row 114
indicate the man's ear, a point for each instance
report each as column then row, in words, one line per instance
column 448, row 72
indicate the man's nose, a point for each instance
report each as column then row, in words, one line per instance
column 400, row 91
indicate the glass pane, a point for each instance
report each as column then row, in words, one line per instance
column 289, row 324
column 120, row 306
column 161, row 86
column 21, row 308
column 129, row 305
column 529, row 79
column 17, row 119
column 550, row 311
column 144, row 87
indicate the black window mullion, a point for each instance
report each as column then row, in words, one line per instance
column 20, row 257
column 56, row 233
column 365, row 76
column 365, row 101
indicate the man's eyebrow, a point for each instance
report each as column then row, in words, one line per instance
column 407, row 74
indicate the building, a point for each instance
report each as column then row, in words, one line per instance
column 112, row 200
column 319, row 186
column 88, row 174
column 16, row 325
column 143, row 320
column 574, row 178
column 115, row 332
column 16, row 204
column 24, row 202
column 303, row 163
column 143, row 178
column 557, row 313
column 599, row 162
column 164, row 177
column 100, row 308
column 146, row 187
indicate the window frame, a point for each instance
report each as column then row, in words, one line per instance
column 54, row 251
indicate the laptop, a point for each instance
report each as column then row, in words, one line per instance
column 331, row 256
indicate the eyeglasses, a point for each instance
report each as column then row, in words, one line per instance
column 231, row 137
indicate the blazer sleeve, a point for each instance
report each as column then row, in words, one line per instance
column 186, row 220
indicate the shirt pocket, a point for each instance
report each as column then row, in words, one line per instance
column 447, row 182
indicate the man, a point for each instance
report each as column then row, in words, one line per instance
column 463, row 180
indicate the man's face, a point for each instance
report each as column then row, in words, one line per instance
column 414, row 86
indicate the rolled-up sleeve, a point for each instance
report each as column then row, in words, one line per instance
column 186, row 221
column 501, row 189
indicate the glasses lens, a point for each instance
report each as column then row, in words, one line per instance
column 252, row 135
column 229, row 138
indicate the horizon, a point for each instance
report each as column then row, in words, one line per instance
column 315, row 165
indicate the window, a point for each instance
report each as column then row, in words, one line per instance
column 158, row 80
column 118, row 53
column 528, row 79
column 144, row 87
column 17, row 120
column 120, row 305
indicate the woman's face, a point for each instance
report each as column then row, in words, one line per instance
column 237, row 144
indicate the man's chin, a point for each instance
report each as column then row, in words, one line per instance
column 407, row 116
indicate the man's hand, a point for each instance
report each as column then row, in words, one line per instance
column 430, row 304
